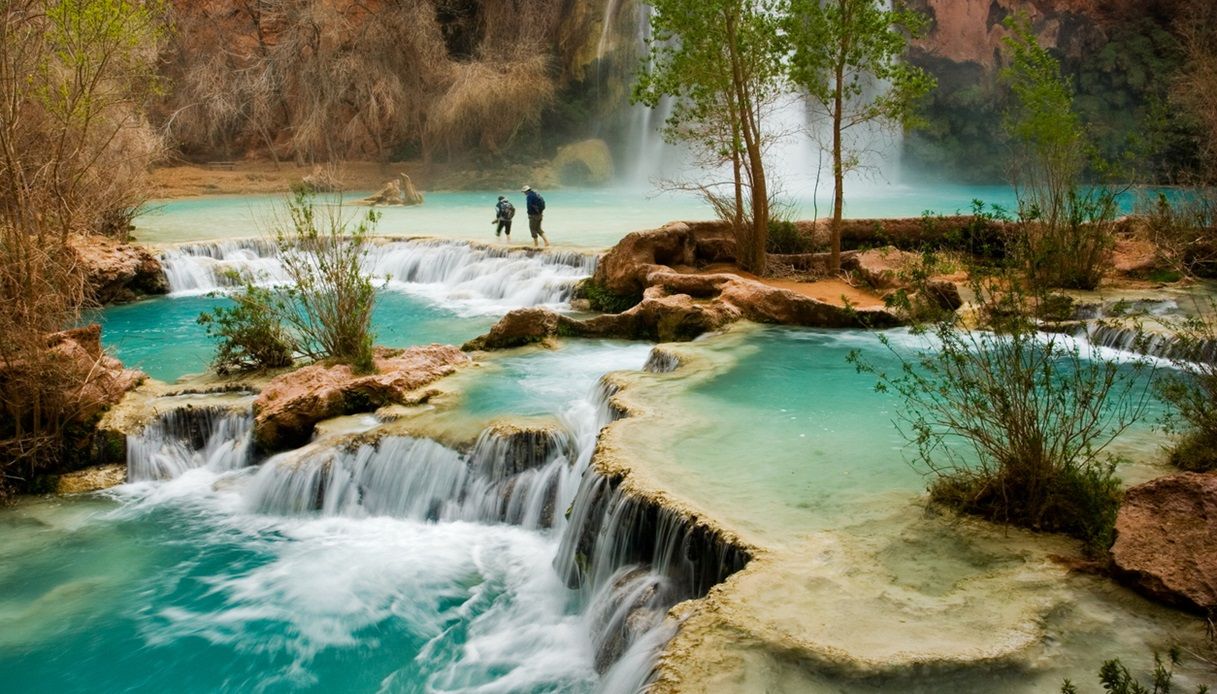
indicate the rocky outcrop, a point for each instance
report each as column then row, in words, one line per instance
column 398, row 191
column 104, row 379
column 117, row 271
column 1165, row 534
column 291, row 405
column 521, row 327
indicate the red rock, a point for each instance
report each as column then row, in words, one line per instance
column 518, row 328
column 1166, row 532
column 118, row 271
column 105, row 380
column 288, row 409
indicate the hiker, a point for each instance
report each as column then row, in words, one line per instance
column 503, row 213
column 535, row 208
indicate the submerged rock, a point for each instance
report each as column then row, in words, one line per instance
column 397, row 191
column 291, row 405
column 1165, row 534
column 116, row 271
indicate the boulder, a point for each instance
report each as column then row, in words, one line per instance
column 624, row 269
column 584, row 163
column 291, row 405
column 1165, row 534
column 883, row 268
column 104, row 381
column 118, row 271
column 520, row 327
column 398, row 191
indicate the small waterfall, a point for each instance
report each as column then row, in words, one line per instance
column 509, row 476
column 199, row 268
column 1161, row 345
column 661, row 361
column 481, row 276
column 187, row 438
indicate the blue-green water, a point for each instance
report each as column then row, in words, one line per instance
column 592, row 217
column 162, row 337
column 173, row 588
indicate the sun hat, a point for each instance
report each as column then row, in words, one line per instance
column 525, row 189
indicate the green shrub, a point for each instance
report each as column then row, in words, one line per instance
column 1191, row 390
column 1012, row 424
column 1116, row 679
column 324, row 312
column 1183, row 231
column 251, row 334
column 785, row 238
column 605, row 300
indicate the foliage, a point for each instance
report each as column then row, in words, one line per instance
column 74, row 75
column 842, row 51
column 605, row 300
column 1184, row 230
column 1195, row 87
column 983, row 237
column 1191, row 390
column 720, row 63
column 1066, row 230
column 324, row 312
column 785, row 237
column 250, row 335
column 1116, row 679
column 1012, row 424
column 316, row 80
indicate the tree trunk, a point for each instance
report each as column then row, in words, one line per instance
column 838, row 167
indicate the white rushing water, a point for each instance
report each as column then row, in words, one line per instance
column 469, row 278
column 408, row 509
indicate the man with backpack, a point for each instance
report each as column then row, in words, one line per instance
column 535, row 208
column 503, row 213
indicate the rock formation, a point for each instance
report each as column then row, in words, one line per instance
column 397, row 191
column 291, row 405
column 118, row 271
column 1165, row 535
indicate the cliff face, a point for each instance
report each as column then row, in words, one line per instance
column 325, row 79
column 1119, row 55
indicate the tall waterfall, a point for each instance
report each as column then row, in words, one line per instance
column 796, row 164
column 477, row 278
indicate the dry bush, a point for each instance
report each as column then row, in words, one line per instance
column 487, row 104
column 320, row 80
column 75, row 78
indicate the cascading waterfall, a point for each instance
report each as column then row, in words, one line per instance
column 630, row 558
column 187, row 438
column 1163, row 346
column 480, row 278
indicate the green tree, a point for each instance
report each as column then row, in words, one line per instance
column 1066, row 230
column 848, row 58
column 721, row 63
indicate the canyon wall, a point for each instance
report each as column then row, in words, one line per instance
column 318, row 80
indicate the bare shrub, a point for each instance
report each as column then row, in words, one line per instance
column 487, row 104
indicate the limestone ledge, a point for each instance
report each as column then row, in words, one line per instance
column 817, row 607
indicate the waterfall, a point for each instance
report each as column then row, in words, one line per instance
column 1161, row 345
column 796, row 160
column 480, row 278
column 630, row 558
column 512, row 477
column 187, row 438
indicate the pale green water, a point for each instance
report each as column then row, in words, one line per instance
column 574, row 217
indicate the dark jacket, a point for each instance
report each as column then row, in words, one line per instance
column 504, row 211
column 536, row 203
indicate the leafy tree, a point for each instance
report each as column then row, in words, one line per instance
column 848, row 57
column 1066, row 229
column 720, row 60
